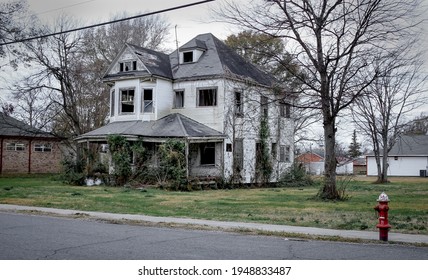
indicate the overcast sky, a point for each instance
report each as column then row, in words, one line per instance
column 190, row 21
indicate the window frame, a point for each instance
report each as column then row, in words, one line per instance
column 176, row 92
column 16, row 147
column 205, row 158
column 150, row 102
column 188, row 57
column 122, row 102
column 264, row 108
column 205, row 89
column 284, row 153
column 127, row 66
column 112, row 102
column 239, row 104
column 43, row 148
column 285, row 109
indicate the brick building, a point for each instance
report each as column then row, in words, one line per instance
column 24, row 149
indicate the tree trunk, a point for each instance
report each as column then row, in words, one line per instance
column 329, row 190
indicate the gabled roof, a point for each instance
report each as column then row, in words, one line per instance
column 410, row 145
column 12, row 127
column 155, row 63
column 173, row 125
column 218, row 60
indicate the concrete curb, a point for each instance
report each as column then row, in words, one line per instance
column 352, row 234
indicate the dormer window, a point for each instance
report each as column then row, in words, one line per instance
column 187, row 57
column 128, row 66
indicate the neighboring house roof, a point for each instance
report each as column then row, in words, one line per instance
column 173, row 125
column 12, row 127
column 360, row 162
column 219, row 61
column 410, row 145
column 309, row 157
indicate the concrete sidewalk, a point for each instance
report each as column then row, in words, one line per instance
column 354, row 234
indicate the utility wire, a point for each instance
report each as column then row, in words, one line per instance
column 105, row 23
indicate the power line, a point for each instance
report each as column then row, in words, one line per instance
column 105, row 23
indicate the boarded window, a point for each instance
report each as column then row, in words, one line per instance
column 207, row 153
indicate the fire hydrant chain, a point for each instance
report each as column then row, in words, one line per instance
column 382, row 209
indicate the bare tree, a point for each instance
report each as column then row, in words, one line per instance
column 65, row 80
column 334, row 42
column 380, row 113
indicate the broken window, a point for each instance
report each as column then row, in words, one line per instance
column 187, row 57
column 179, row 99
column 147, row 100
column 207, row 153
column 128, row 66
column 284, row 153
column 127, row 98
column 238, row 104
column 207, row 97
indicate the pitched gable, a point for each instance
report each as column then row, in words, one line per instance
column 134, row 61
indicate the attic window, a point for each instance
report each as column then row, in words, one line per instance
column 187, row 57
column 128, row 66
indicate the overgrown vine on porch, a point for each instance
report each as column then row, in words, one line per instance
column 120, row 151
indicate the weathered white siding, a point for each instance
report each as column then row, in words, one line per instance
column 400, row 166
column 211, row 116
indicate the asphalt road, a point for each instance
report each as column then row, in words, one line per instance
column 28, row 237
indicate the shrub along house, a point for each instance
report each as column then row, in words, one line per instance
column 24, row 149
column 207, row 96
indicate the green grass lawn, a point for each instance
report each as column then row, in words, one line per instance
column 289, row 206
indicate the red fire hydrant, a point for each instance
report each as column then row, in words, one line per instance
column 382, row 209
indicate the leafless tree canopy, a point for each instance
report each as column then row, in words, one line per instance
column 336, row 44
column 63, row 91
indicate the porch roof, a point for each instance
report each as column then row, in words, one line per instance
column 171, row 126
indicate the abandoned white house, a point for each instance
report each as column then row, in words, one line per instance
column 206, row 95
